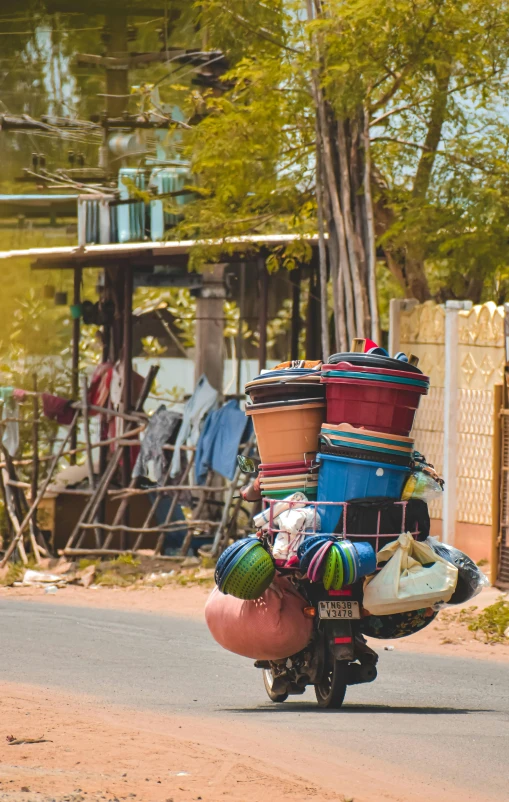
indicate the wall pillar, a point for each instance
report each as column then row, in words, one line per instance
column 209, row 353
column 396, row 307
column 451, row 395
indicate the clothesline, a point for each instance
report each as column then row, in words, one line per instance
column 207, row 431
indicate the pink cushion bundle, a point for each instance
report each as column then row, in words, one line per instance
column 269, row 628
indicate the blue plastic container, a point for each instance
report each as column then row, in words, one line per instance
column 365, row 558
column 342, row 478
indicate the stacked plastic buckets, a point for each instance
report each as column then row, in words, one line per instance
column 287, row 407
column 366, row 449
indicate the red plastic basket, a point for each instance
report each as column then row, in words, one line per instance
column 401, row 374
column 372, row 404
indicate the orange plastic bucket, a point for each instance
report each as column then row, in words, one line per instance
column 287, row 433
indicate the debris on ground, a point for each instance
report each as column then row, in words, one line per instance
column 87, row 576
column 38, row 579
column 12, row 741
column 125, row 571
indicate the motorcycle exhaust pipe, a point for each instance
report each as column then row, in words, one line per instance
column 358, row 674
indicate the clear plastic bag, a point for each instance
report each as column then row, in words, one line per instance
column 471, row 579
column 422, row 485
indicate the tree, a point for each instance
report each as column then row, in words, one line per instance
column 382, row 118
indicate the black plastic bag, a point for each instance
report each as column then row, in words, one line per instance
column 471, row 579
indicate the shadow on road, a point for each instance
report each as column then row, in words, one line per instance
column 310, row 707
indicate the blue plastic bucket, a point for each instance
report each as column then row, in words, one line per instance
column 342, row 478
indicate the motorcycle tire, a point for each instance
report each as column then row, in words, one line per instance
column 330, row 691
column 268, row 681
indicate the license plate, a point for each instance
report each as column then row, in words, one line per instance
column 338, row 609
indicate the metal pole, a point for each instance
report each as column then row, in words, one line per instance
column 128, row 381
column 76, row 330
column 295, row 331
column 263, row 283
column 242, row 298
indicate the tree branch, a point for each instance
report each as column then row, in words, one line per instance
column 451, row 156
column 433, row 135
column 263, row 33
column 422, row 100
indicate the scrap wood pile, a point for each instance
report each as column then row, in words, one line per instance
column 180, row 467
column 345, row 505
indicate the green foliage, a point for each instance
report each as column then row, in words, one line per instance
column 16, row 571
column 86, row 563
column 493, row 621
column 125, row 559
column 152, row 347
column 433, row 77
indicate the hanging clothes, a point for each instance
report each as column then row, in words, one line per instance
column 152, row 461
column 117, row 424
column 201, row 402
column 99, row 390
column 10, row 436
column 57, row 409
column 117, row 386
column 218, row 446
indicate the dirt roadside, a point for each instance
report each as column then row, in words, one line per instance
column 444, row 636
column 95, row 753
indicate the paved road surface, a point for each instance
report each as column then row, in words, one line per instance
column 447, row 714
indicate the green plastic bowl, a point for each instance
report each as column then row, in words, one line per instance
column 251, row 575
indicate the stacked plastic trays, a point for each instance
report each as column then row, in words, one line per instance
column 365, row 445
column 287, row 408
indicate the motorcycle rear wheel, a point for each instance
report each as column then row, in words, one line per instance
column 330, row 691
column 268, row 681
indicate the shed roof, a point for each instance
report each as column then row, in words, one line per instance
column 142, row 253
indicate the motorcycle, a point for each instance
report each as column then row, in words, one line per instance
column 337, row 655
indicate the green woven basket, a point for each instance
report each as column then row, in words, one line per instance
column 251, row 575
column 330, row 567
column 337, row 579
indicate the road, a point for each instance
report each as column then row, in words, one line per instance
column 446, row 717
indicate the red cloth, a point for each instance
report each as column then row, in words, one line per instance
column 99, row 390
column 59, row 409
column 19, row 395
column 369, row 345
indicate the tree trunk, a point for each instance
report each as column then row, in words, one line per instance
column 341, row 153
column 322, row 253
column 346, row 199
column 370, row 234
column 407, row 263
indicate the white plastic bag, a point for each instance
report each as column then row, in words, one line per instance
column 291, row 523
column 404, row 583
column 298, row 500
